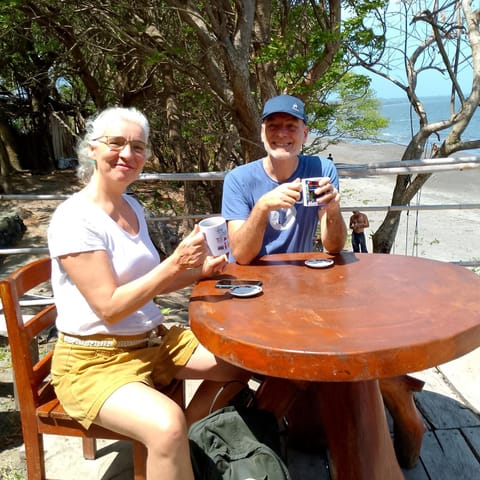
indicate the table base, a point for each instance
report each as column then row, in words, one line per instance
column 350, row 422
column 356, row 431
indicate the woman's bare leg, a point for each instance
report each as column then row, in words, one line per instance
column 215, row 373
column 145, row 414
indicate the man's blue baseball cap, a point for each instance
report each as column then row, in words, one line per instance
column 284, row 104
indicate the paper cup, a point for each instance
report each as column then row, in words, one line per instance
column 214, row 230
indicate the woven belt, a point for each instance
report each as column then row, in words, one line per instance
column 151, row 338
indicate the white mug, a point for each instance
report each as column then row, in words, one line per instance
column 308, row 197
column 214, row 230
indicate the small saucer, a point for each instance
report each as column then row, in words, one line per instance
column 319, row 262
column 246, row 290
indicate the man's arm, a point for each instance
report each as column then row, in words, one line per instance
column 246, row 236
column 333, row 230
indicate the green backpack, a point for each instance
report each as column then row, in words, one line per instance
column 237, row 444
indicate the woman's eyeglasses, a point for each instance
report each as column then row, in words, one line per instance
column 117, row 144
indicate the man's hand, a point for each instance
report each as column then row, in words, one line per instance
column 328, row 195
column 332, row 225
column 283, row 196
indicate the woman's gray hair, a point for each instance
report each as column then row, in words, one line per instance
column 96, row 126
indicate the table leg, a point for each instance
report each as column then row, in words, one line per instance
column 356, row 429
column 408, row 426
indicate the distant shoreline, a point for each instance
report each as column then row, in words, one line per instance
column 360, row 153
column 461, row 185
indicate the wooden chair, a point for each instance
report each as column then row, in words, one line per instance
column 40, row 410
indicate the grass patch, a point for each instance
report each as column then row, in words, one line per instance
column 5, row 355
column 11, row 473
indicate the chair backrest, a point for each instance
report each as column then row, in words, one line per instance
column 31, row 370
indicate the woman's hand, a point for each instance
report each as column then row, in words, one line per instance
column 213, row 265
column 192, row 250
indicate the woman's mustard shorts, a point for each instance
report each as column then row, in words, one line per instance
column 84, row 376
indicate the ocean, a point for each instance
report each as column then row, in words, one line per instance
column 400, row 129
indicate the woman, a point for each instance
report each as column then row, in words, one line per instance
column 112, row 347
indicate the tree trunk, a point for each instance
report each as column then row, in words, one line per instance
column 9, row 161
column 8, row 149
column 405, row 189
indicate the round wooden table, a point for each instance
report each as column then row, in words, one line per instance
column 367, row 317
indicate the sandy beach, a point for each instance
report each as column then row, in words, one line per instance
column 446, row 235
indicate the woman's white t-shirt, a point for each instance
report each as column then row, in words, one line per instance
column 78, row 225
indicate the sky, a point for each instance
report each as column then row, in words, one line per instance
column 430, row 84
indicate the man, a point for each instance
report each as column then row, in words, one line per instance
column 260, row 205
column 358, row 222
column 260, row 198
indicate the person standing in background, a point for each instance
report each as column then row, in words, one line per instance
column 358, row 222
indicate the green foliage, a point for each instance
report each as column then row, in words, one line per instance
column 10, row 473
column 360, row 34
column 4, row 354
column 185, row 72
column 294, row 50
column 339, row 103
column 352, row 111
column 357, row 113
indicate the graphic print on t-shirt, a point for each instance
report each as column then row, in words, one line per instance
column 282, row 219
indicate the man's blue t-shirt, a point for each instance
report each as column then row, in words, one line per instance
column 288, row 230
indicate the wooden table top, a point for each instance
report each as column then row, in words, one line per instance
column 368, row 316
